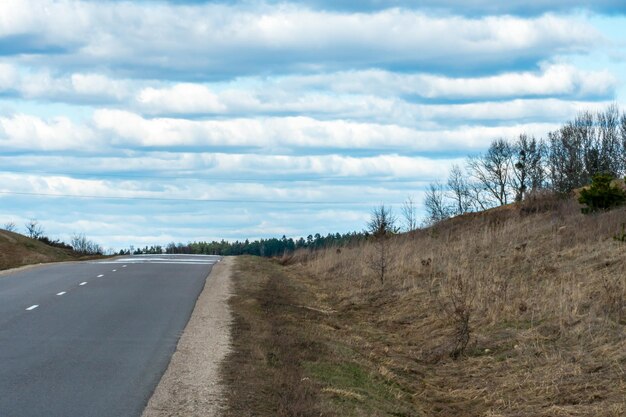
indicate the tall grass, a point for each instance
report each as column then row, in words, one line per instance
column 540, row 289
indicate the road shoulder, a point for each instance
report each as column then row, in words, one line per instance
column 191, row 385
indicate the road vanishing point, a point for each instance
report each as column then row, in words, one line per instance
column 92, row 339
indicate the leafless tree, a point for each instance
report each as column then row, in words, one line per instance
column 10, row 227
column 493, row 171
column 609, row 143
column 459, row 191
column 566, row 160
column 622, row 130
column 81, row 244
column 437, row 208
column 478, row 197
column 409, row 214
column 33, row 229
column 528, row 173
column 590, row 144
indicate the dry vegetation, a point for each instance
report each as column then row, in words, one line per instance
column 17, row 250
column 518, row 311
column 263, row 372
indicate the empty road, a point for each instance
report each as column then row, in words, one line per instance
column 92, row 339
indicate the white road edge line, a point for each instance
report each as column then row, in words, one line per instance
column 32, row 307
column 62, row 292
column 83, row 283
column 100, row 276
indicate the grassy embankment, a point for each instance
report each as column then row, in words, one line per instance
column 17, row 250
column 544, row 294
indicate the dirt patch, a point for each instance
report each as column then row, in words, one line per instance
column 191, row 385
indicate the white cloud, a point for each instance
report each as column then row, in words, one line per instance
column 204, row 191
column 181, row 98
column 8, row 76
column 187, row 99
column 473, row 7
column 72, row 88
column 99, row 86
column 376, row 95
column 366, row 93
column 451, row 128
column 225, row 168
column 205, row 41
column 27, row 132
column 551, row 80
column 301, row 132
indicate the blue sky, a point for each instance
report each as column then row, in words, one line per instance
column 149, row 122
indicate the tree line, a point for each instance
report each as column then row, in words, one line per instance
column 260, row 247
column 510, row 170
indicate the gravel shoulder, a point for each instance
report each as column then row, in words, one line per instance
column 191, row 384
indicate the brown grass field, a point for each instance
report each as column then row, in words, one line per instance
column 517, row 311
column 17, row 250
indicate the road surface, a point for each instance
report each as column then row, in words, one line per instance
column 92, row 339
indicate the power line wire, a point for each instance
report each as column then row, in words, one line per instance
column 198, row 200
column 220, row 179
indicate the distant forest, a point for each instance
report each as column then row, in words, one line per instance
column 263, row 247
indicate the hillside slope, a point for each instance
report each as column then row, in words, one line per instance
column 518, row 311
column 17, row 250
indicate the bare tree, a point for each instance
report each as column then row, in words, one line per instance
column 478, row 197
column 622, row 130
column 81, row 244
column 437, row 208
column 528, row 173
column 33, row 229
column 381, row 226
column 409, row 213
column 608, row 136
column 10, row 227
column 566, row 160
column 590, row 144
column 459, row 191
column 493, row 171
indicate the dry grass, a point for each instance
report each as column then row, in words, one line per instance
column 544, row 288
column 263, row 373
column 17, row 250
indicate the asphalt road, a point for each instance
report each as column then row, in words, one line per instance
column 92, row 339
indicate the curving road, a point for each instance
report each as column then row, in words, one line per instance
column 92, row 339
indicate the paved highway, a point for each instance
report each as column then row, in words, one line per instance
column 92, row 339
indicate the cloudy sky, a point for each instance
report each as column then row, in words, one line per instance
column 148, row 122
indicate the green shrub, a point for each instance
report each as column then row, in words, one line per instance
column 601, row 194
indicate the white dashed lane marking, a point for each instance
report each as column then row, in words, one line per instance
column 32, row 307
column 115, row 270
column 83, row 283
column 100, row 276
column 62, row 292
column 163, row 259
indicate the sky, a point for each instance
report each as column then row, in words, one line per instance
column 149, row 122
